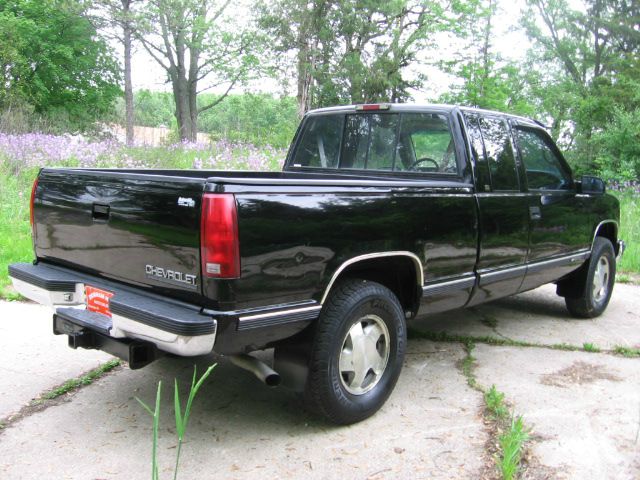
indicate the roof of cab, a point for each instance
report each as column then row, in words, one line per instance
column 399, row 107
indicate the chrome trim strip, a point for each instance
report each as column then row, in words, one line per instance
column 595, row 232
column 567, row 259
column 462, row 283
column 280, row 313
column 369, row 256
column 514, row 271
column 504, row 274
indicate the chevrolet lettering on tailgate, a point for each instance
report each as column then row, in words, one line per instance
column 170, row 276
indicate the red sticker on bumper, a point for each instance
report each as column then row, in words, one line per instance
column 97, row 300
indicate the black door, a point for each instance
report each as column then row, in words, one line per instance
column 559, row 222
column 504, row 209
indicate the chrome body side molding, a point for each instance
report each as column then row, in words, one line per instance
column 370, row 256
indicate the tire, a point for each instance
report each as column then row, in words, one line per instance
column 357, row 352
column 596, row 284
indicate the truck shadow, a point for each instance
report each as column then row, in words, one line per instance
column 532, row 304
column 231, row 399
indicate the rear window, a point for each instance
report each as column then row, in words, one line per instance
column 407, row 142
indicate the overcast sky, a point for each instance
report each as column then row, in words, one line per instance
column 509, row 42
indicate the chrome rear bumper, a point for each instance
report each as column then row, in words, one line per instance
column 171, row 326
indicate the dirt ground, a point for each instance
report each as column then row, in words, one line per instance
column 583, row 408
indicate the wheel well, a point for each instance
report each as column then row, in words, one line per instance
column 397, row 273
column 609, row 231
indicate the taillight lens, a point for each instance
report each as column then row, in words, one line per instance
column 33, row 197
column 219, row 247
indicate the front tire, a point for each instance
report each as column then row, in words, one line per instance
column 597, row 283
column 357, row 353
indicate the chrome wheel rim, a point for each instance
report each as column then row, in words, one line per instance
column 364, row 354
column 601, row 280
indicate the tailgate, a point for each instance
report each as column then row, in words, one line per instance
column 137, row 228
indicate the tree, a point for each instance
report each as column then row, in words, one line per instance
column 590, row 59
column 485, row 80
column 52, row 59
column 355, row 51
column 298, row 27
column 117, row 20
column 196, row 41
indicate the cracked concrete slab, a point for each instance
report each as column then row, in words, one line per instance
column 540, row 316
column 33, row 360
column 429, row 428
column 584, row 408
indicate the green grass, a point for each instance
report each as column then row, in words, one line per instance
column 630, row 232
column 590, row 347
column 182, row 419
column 15, row 231
column 513, row 433
column 509, row 433
column 511, row 445
column 495, row 403
column 78, row 382
column 627, row 351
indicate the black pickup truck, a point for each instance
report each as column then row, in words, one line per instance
column 383, row 213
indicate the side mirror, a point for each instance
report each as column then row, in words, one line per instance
column 591, row 185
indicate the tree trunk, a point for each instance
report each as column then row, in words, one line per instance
column 128, row 86
column 485, row 55
column 183, row 111
column 304, row 85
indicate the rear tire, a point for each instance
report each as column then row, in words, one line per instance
column 357, row 353
column 596, row 284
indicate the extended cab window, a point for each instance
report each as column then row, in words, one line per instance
column 320, row 143
column 544, row 168
column 499, row 154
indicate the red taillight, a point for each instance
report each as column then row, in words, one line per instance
column 33, row 197
column 219, row 247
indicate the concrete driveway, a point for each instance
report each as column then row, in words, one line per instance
column 583, row 408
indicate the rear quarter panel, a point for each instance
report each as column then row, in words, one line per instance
column 293, row 241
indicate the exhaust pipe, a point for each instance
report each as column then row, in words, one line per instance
column 260, row 369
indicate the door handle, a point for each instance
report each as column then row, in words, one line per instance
column 535, row 213
column 100, row 212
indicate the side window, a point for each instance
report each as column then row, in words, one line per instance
column 483, row 181
column 320, row 143
column 499, row 154
column 426, row 144
column 370, row 142
column 543, row 166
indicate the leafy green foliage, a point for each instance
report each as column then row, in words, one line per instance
column 356, row 51
column 487, row 81
column 258, row 119
column 586, row 58
column 618, row 146
column 495, row 403
column 52, row 59
column 198, row 42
